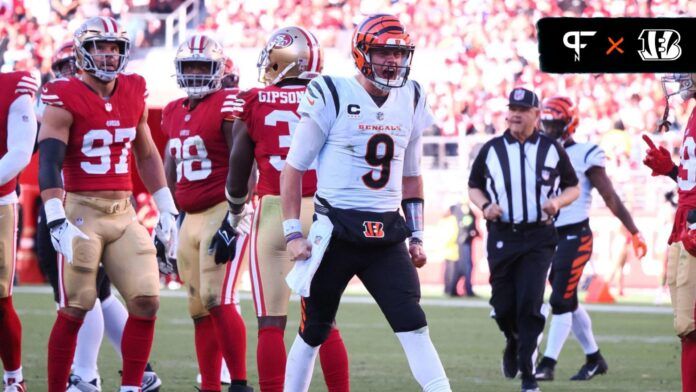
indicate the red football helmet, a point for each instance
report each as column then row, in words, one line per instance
column 230, row 78
column 383, row 32
column 63, row 61
column 559, row 117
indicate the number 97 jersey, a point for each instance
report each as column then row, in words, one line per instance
column 97, row 157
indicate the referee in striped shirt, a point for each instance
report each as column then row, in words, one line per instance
column 520, row 180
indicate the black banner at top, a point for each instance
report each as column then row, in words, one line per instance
column 617, row 45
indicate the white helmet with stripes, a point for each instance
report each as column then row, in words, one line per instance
column 97, row 63
column 204, row 51
column 291, row 52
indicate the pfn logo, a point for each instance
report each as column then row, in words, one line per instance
column 660, row 45
column 373, row 229
column 571, row 40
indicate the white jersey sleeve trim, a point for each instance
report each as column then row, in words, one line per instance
column 21, row 136
column 412, row 157
column 306, row 144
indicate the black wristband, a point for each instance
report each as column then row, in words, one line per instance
column 673, row 173
column 485, row 205
column 55, row 223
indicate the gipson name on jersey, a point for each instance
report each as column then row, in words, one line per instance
column 282, row 97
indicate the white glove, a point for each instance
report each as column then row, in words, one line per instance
column 62, row 234
column 166, row 229
column 242, row 222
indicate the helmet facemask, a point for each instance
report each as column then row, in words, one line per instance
column 391, row 74
column 64, row 68
column 681, row 84
column 554, row 128
column 198, row 85
column 96, row 63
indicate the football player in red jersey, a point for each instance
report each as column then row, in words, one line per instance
column 681, row 259
column 267, row 117
column 17, row 136
column 88, row 128
column 199, row 128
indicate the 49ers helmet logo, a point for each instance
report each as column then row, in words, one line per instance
column 373, row 229
column 283, row 40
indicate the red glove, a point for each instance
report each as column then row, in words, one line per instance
column 658, row 159
column 689, row 241
column 639, row 247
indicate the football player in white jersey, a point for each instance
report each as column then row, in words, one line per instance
column 559, row 120
column 365, row 133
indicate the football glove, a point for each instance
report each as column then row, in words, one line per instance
column 639, row 246
column 166, row 228
column 62, row 236
column 689, row 237
column 657, row 159
column 224, row 242
column 165, row 264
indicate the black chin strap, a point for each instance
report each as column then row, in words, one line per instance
column 663, row 125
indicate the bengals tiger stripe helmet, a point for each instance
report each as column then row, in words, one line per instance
column 559, row 117
column 291, row 52
column 382, row 31
column 100, row 29
column 63, row 61
column 200, row 49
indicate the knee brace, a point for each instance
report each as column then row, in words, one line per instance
column 314, row 334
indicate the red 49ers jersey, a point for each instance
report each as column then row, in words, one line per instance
column 686, row 179
column 98, row 154
column 200, row 150
column 270, row 114
column 12, row 85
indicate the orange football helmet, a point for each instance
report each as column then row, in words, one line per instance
column 63, row 61
column 382, row 32
column 559, row 117
column 100, row 29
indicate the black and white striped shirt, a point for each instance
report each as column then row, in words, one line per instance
column 520, row 177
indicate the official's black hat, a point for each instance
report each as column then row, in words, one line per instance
column 522, row 97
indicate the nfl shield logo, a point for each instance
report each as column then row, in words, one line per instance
column 108, row 106
column 518, row 95
column 545, row 174
column 380, row 116
column 187, row 117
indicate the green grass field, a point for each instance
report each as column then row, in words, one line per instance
column 641, row 350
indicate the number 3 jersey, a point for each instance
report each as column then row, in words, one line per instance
column 199, row 148
column 367, row 148
column 686, row 179
column 270, row 114
column 97, row 157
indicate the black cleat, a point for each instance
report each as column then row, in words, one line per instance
column 589, row 370
column 530, row 386
column 240, row 388
column 509, row 363
column 545, row 369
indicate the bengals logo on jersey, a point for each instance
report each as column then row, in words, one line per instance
column 373, row 229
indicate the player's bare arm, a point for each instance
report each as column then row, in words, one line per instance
column 240, row 165
column 54, row 132
column 170, row 171
column 599, row 179
column 412, row 204
column 291, row 201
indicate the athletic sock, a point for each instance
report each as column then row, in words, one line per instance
column 61, row 349
column 300, row 365
column 558, row 333
column 270, row 359
column 88, row 343
column 135, row 347
column 582, row 328
column 423, row 358
column 231, row 334
column 14, row 375
column 208, row 353
column 688, row 365
column 334, row 363
column 115, row 317
column 10, row 335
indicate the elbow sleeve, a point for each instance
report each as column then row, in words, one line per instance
column 51, row 155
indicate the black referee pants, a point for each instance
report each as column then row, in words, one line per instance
column 519, row 261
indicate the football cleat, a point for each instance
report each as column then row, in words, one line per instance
column 509, row 363
column 240, row 388
column 530, row 386
column 77, row 384
column 545, row 370
column 15, row 386
column 151, row 382
column 589, row 370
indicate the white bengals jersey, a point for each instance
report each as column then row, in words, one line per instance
column 583, row 156
column 367, row 148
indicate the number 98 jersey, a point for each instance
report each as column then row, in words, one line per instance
column 199, row 148
column 270, row 114
column 97, row 157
